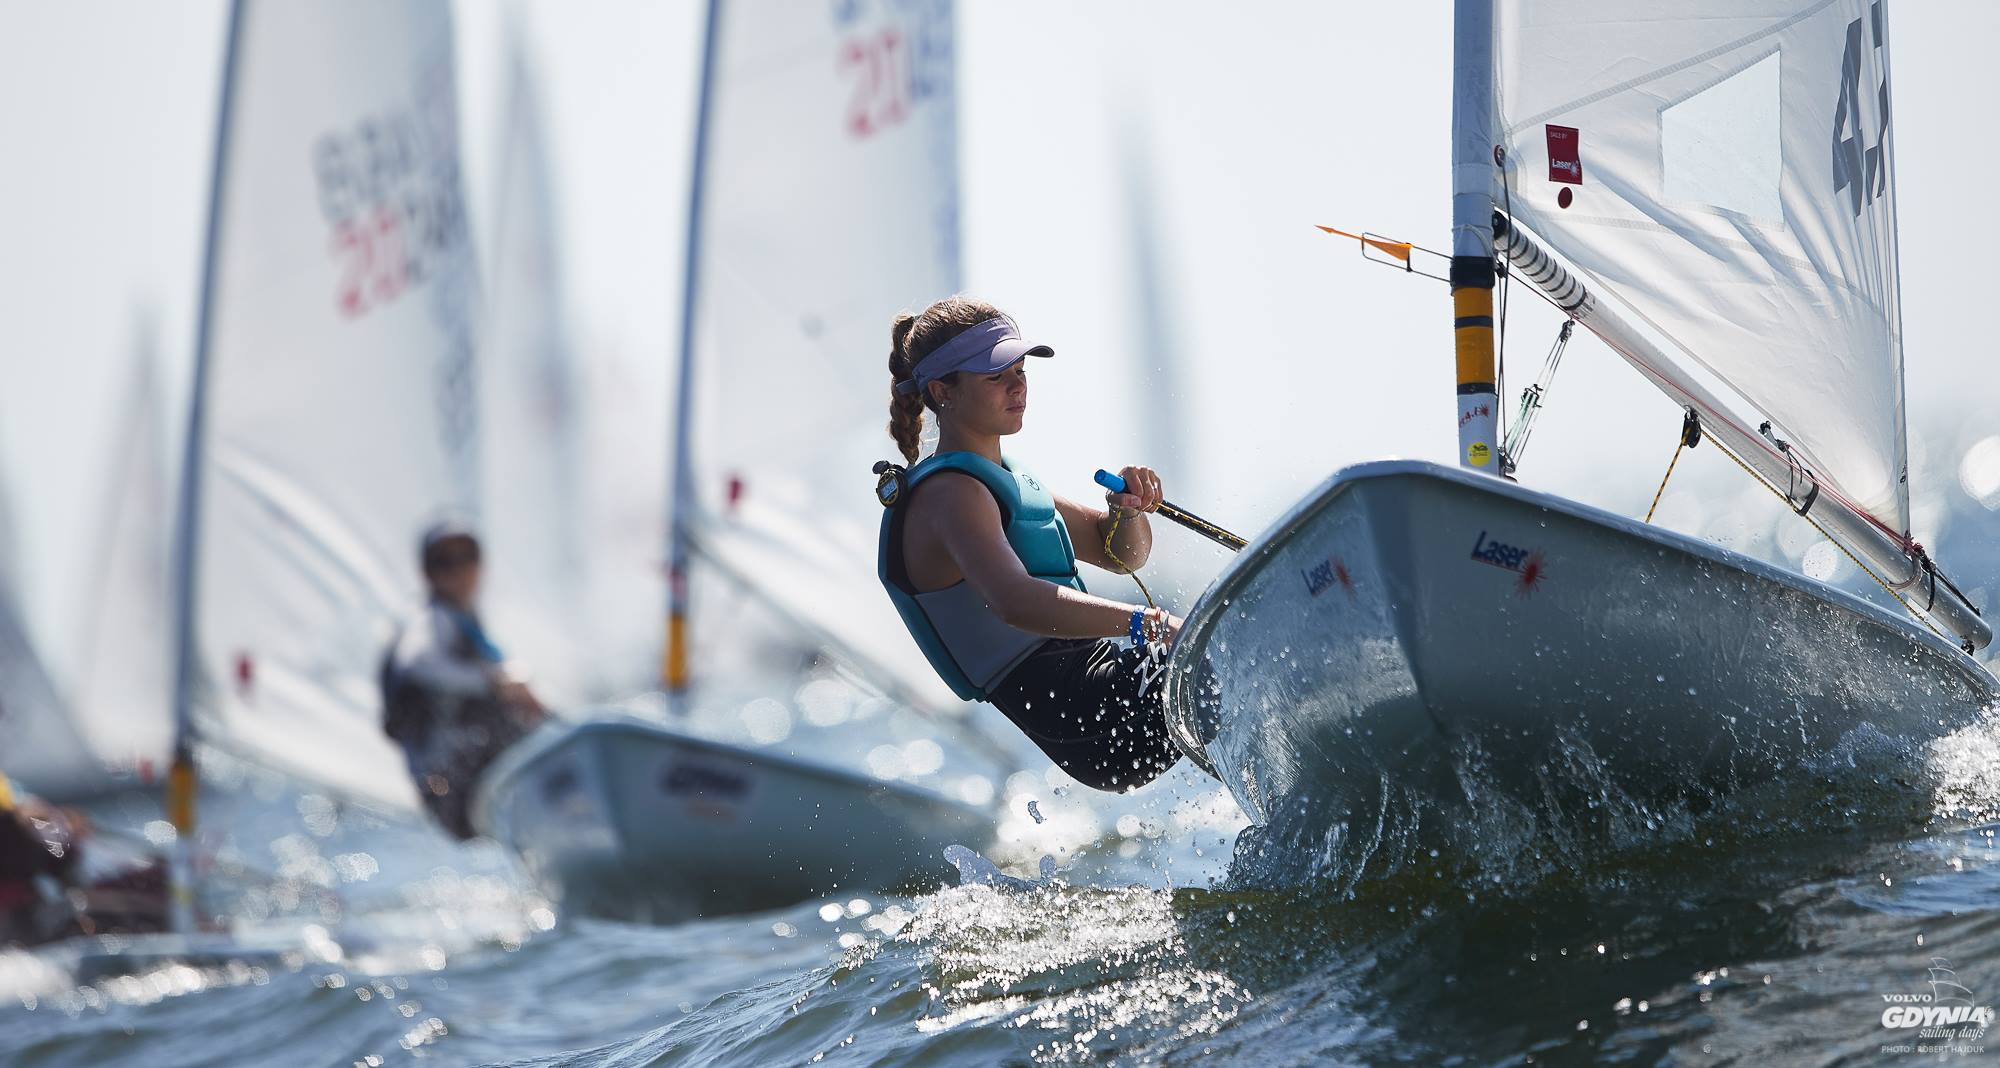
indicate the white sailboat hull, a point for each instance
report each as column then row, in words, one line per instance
column 621, row 818
column 1407, row 618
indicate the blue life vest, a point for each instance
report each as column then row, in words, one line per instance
column 968, row 646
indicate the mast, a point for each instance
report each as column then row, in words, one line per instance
column 181, row 777
column 1472, row 167
column 680, row 498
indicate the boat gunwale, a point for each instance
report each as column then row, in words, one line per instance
column 1200, row 617
column 518, row 758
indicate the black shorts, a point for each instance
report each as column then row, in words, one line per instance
column 1099, row 711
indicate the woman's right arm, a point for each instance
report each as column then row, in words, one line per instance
column 962, row 513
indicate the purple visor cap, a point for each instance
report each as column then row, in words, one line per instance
column 993, row 345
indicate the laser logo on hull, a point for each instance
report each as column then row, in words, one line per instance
column 1326, row 574
column 1499, row 553
column 1524, row 562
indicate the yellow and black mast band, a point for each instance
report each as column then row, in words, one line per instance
column 1472, row 326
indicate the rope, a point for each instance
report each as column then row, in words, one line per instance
column 1657, row 494
column 1865, row 569
column 1691, row 431
column 1117, row 516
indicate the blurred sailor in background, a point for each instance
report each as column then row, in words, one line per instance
column 448, row 696
column 52, row 886
column 32, row 851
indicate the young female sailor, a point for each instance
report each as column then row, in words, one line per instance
column 978, row 557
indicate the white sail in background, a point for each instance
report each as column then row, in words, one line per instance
column 829, row 202
column 340, row 397
column 101, row 717
column 532, row 450
column 1722, row 168
column 123, row 698
column 39, row 744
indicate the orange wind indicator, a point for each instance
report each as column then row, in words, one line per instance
column 1400, row 251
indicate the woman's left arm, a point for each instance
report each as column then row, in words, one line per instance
column 1131, row 539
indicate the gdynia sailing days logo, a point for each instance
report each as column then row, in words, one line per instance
column 1947, row 1014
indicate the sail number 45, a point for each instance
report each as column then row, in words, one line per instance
column 1859, row 168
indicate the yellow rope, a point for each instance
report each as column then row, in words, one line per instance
column 1865, row 569
column 1111, row 531
column 1678, row 449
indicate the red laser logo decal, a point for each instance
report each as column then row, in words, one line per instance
column 1533, row 570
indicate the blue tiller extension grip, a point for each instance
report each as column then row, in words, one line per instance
column 1179, row 515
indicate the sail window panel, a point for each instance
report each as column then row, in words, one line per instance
column 1685, row 117
column 1721, row 147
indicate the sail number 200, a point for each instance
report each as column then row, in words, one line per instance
column 892, row 68
column 877, row 67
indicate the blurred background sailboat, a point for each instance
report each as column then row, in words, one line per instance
column 825, row 198
column 89, row 720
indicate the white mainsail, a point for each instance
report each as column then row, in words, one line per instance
column 123, row 698
column 41, row 745
column 98, row 718
column 828, row 201
column 1722, row 169
column 531, row 419
column 339, row 392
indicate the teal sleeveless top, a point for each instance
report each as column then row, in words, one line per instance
column 966, row 644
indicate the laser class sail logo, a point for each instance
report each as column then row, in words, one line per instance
column 1946, row 1020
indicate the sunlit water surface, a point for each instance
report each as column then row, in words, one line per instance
column 1769, row 928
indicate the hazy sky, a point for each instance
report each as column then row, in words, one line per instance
column 1247, row 122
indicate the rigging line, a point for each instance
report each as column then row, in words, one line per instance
column 1661, row 492
column 1849, row 553
column 1690, row 437
column 1117, row 515
column 1531, row 398
column 1654, row 373
column 1505, row 271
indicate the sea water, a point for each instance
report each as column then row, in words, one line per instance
column 1801, row 924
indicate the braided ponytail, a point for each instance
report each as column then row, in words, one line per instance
column 911, row 338
column 906, row 410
